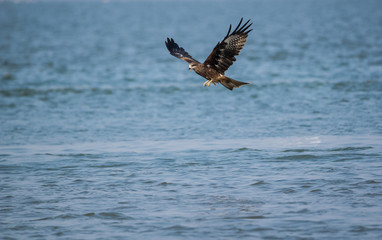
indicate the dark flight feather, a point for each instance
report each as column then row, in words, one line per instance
column 178, row 52
column 223, row 55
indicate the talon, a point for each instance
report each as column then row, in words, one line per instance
column 208, row 83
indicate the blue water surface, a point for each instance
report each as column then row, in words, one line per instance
column 105, row 135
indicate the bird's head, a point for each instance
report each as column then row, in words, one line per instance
column 191, row 66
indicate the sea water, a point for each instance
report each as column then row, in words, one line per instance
column 105, row 135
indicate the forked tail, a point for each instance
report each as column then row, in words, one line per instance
column 230, row 83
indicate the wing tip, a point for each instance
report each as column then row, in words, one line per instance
column 171, row 45
column 241, row 29
column 168, row 44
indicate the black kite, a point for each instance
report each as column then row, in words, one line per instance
column 219, row 60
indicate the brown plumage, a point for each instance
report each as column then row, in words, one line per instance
column 219, row 60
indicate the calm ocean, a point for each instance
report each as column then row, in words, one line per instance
column 105, row 135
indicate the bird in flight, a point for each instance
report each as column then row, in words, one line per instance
column 219, row 60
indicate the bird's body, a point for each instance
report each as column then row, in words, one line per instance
column 219, row 60
column 207, row 72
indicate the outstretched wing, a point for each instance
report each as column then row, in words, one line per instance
column 223, row 55
column 178, row 52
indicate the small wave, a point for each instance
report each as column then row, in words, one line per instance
column 246, row 149
column 299, row 157
column 351, row 86
column 165, row 184
column 258, row 183
column 31, row 92
column 307, row 146
column 179, row 228
column 111, row 165
column 317, row 190
column 87, row 155
column 61, row 216
column 108, row 215
column 297, row 150
column 91, row 214
column 350, row 149
column 253, row 217
column 363, row 229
